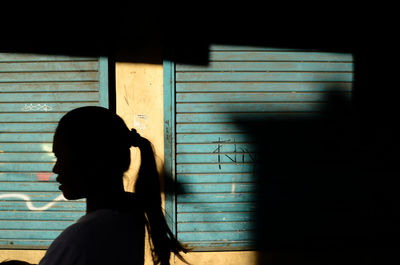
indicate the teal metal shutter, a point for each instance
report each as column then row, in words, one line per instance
column 210, row 158
column 35, row 92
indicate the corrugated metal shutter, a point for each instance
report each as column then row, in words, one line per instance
column 36, row 90
column 213, row 158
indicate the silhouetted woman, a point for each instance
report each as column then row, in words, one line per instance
column 92, row 146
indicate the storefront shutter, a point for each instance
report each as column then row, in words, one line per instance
column 36, row 90
column 210, row 158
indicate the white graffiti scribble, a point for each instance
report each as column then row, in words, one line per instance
column 28, row 201
column 37, row 107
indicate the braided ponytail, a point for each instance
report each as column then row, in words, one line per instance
column 147, row 189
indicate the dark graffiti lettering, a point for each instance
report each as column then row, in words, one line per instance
column 238, row 152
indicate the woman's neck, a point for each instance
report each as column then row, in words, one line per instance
column 105, row 200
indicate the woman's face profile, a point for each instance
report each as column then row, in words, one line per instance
column 71, row 171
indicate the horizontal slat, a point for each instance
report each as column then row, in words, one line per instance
column 26, row 167
column 26, row 147
column 48, row 66
column 49, row 76
column 206, row 128
column 264, row 87
column 220, row 148
column 31, row 57
column 215, row 227
column 268, row 66
column 41, row 215
column 28, row 127
column 27, row 176
column 31, row 117
column 33, row 196
column 49, row 87
column 225, row 47
column 217, row 197
column 248, row 107
column 238, row 157
column 217, row 188
column 221, row 245
column 25, row 244
column 43, row 107
column 262, row 77
column 215, row 207
column 214, row 178
column 49, row 97
column 237, row 117
column 279, row 56
column 27, row 157
column 29, row 234
column 212, row 138
column 215, row 236
column 216, row 217
column 215, row 168
column 29, row 186
column 34, row 225
column 256, row 97
column 26, row 137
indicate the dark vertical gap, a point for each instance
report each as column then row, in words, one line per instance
column 112, row 99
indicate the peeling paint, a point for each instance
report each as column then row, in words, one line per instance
column 139, row 121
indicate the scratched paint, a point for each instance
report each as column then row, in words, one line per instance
column 45, row 176
column 29, row 203
column 47, row 148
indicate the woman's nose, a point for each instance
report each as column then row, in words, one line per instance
column 56, row 168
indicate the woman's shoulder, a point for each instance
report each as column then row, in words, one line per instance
column 94, row 235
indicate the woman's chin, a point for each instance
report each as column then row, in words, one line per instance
column 70, row 195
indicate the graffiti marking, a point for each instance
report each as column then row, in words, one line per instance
column 28, row 201
column 37, row 107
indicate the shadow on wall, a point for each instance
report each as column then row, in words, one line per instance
column 327, row 188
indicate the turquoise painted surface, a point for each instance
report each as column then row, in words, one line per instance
column 217, row 227
column 218, row 147
column 50, row 87
column 35, row 92
column 217, row 197
column 249, row 107
column 263, row 77
column 279, row 56
column 269, row 66
column 216, row 217
column 217, row 236
column 44, row 107
column 215, row 158
column 53, row 216
column 217, row 187
column 31, row 57
column 169, row 142
column 49, row 97
column 219, row 177
column 264, row 87
column 35, row 225
column 254, row 97
column 229, row 117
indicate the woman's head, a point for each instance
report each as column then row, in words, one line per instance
column 92, row 149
